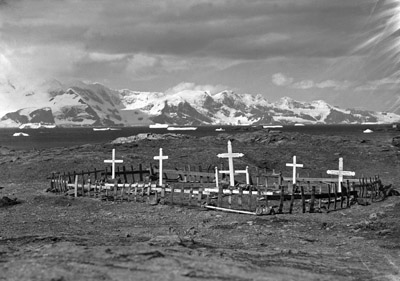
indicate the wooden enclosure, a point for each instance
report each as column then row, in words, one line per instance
column 267, row 194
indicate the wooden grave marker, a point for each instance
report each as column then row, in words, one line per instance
column 340, row 173
column 230, row 155
column 113, row 161
column 160, row 159
column 294, row 165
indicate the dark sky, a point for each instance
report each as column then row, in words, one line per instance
column 298, row 48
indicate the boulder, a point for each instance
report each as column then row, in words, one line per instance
column 148, row 136
column 396, row 141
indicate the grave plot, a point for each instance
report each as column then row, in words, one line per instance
column 242, row 190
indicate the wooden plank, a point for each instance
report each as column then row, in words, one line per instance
column 141, row 172
column 115, row 189
column 230, row 210
column 240, row 198
column 329, row 196
column 132, row 174
column 312, row 201
column 199, row 198
column 76, row 186
column 135, row 193
column 336, row 195
column 250, row 198
column 89, row 187
column 341, row 195
column 83, row 184
column 190, row 196
column 148, row 192
column 281, row 199
column 230, row 199
column 348, row 195
column 187, row 174
column 163, row 194
column 258, row 202
column 220, row 192
column 182, row 195
column 129, row 195
column 303, row 200
column 317, row 180
column 124, row 174
column 292, row 198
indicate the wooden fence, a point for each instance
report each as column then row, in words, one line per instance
column 271, row 194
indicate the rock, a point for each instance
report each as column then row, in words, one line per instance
column 396, row 141
column 149, row 136
column 5, row 201
column 363, row 202
column 356, row 238
column 5, row 150
column 165, row 240
column 384, row 232
column 373, row 216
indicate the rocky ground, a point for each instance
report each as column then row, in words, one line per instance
column 52, row 237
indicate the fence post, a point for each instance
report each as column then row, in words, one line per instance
column 312, row 201
column 220, row 192
column 282, row 198
column 240, row 197
column 329, row 196
column 335, row 187
column 76, row 186
column 292, row 197
column 250, row 197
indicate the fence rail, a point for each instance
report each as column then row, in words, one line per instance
column 198, row 188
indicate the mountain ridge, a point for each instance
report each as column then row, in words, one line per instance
column 83, row 104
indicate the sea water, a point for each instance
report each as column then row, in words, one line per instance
column 65, row 137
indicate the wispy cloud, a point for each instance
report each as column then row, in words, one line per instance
column 281, row 79
column 188, row 86
column 142, row 39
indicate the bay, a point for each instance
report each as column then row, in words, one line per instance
column 65, row 137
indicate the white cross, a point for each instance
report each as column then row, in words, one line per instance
column 230, row 155
column 113, row 161
column 340, row 173
column 160, row 158
column 294, row 165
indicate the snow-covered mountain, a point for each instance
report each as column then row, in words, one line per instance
column 227, row 107
column 81, row 104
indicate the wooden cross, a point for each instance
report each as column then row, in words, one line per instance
column 294, row 165
column 230, row 155
column 113, row 161
column 160, row 158
column 340, row 173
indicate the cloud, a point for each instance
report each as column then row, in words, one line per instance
column 281, row 79
column 204, row 28
column 305, row 84
column 101, row 57
column 388, row 83
column 336, row 85
column 187, row 86
column 147, row 40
